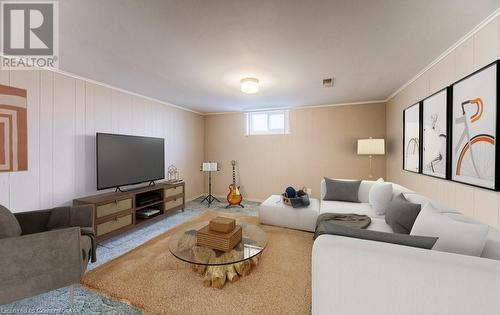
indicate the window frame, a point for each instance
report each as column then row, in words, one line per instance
column 281, row 131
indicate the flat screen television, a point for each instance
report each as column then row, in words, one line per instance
column 128, row 160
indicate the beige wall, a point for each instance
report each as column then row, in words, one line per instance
column 64, row 113
column 474, row 53
column 322, row 142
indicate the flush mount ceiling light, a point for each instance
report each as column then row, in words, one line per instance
column 249, row 85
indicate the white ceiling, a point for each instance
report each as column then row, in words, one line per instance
column 193, row 53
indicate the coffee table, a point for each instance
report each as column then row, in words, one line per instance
column 217, row 266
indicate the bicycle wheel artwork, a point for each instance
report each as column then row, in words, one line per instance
column 474, row 121
column 411, row 135
column 434, row 117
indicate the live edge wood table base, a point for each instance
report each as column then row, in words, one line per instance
column 215, row 266
column 115, row 212
column 215, row 276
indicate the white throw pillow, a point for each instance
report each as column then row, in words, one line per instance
column 456, row 233
column 423, row 201
column 380, row 195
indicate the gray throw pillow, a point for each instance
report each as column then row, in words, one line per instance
column 425, row 242
column 9, row 226
column 342, row 190
column 400, row 214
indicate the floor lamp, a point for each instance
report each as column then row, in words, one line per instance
column 371, row 147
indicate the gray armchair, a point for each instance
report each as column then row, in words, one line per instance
column 44, row 250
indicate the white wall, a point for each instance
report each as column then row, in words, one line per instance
column 479, row 50
column 64, row 114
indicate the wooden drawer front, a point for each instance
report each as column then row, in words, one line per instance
column 174, row 191
column 113, row 225
column 173, row 203
column 114, row 207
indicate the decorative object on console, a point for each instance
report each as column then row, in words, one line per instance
column 435, row 134
column 474, row 128
column 13, row 129
column 411, row 138
column 342, row 190
column 210, row 167
column 234, row 197
column 371, row 147
column 173, row 174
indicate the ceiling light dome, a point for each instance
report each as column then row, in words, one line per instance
column 249, row 85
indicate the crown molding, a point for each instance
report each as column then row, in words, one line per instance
column 75, row 76
column 78, row 77
column 470, row 34
column 297, row 108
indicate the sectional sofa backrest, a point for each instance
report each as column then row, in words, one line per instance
column 492, row 247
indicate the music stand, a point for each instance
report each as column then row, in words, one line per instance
column 210, row 167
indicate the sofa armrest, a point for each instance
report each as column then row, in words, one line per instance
column 354, row 276
column 37, row 263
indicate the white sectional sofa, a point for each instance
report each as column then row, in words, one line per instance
column 355, row 276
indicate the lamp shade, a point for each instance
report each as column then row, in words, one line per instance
column 371, row 147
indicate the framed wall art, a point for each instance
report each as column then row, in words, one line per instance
column 411, row 138
column 13, row 129
column 475, row 128
column 435, row 134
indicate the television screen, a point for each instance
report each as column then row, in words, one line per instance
column 127, row 160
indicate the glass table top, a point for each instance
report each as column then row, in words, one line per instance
column 183, row 246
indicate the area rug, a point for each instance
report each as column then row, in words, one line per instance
column 151, row 279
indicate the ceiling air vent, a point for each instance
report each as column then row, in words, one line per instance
column 328, row 83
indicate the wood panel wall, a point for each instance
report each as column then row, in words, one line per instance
column 64, row 114
column 479, row 50
column 322, row 142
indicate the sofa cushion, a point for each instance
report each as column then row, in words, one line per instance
column 456, row 233
column 9, row 226
column 380, row 195
column 401, row 214
column 340, row 190
column 398, row 189
column 348, row 207
column 422, row 200
column 327, row 227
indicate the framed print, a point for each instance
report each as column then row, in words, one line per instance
column 411, row 136
column 474, row 128
column 13, row 129
column 435, row 134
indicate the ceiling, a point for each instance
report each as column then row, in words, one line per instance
column 192, row 53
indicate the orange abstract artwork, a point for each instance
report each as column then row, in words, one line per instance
column 13, row 129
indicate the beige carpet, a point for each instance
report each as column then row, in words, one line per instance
column 150, row 278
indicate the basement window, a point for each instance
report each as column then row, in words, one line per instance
column 267, row 123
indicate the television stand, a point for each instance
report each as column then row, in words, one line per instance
column 119, row 188
column 116, row 212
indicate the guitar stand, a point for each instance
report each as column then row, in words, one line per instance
column 230, row 205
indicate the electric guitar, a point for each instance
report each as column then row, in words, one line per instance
column 234, row 197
